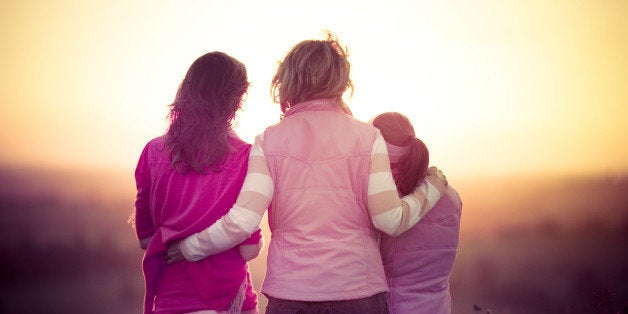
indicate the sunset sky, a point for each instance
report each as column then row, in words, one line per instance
column 493, row 87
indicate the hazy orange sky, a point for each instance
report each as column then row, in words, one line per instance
column 492, row 87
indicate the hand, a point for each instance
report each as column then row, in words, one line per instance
column 433, row 171
column 174, row 253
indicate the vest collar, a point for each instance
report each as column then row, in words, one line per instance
column 325, row 104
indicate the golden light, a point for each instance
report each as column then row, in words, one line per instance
column 491, row 88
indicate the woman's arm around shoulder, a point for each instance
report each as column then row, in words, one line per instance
column 240, row 222
column 390, row 213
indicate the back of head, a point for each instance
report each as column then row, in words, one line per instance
column 313, row 69
column 204, row 107
column 409, row 155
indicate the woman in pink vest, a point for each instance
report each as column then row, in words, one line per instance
column 188, row 179
column 325, row 179
column 418, row 262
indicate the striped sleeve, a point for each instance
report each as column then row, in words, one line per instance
column 241, row 220
column 391, row 214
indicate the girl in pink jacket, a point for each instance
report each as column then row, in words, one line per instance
column 325, row 179
column 186, row 180
column 419, row 261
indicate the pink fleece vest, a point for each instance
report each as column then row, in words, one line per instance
column 324, row 246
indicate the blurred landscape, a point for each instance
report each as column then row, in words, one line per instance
column 528, row 244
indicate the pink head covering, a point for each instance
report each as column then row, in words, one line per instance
column 395, row 153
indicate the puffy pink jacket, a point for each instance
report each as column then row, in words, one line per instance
column 419, row 261
column 324, row 246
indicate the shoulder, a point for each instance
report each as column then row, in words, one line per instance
column 361, row 126
column 154, row 151
column 239, row 151
column 367, row 131
column 453, row 194
column 272, row 130
column 157, row 142
column 449, row 202
column 282, row 123
column 155, row 145
column 237, row 143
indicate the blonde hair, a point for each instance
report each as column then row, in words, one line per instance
column 313, row 69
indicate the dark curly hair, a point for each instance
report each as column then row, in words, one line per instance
column 412, row 167
column 200, row 117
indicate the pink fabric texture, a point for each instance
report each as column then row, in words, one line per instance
column 418, row 263
column 324, row 246
column 395, row 153
column 171, row 206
